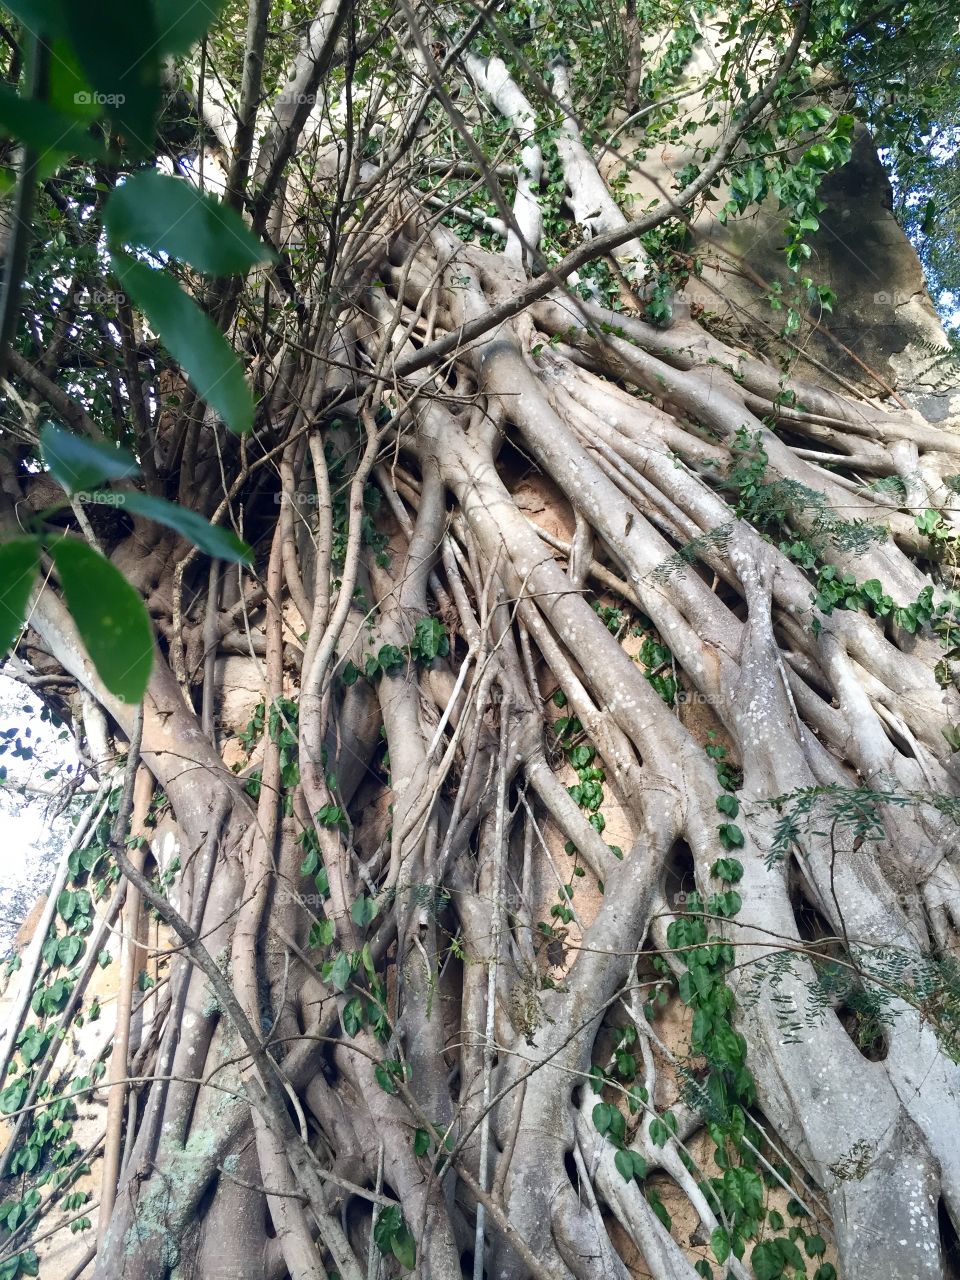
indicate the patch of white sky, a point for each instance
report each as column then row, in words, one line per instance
column 39, row 758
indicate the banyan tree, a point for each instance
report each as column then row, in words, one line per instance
column 479, row 486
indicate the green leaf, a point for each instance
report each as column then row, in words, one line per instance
column 19, row 562
column 720, row 1244
column 387, row 1074
column 110, row 617
column 731, row 902
column 11, row 1099
column 181, row 23
column 170, row 216
column 40, row 16
column 77, row 463
column 349, row 675
column 120, row 54
column 192, row 339
column 770, row 1258
column 404, row 1248
column 729, row 869
column 392, row 1235
column 214, row 539
column 421, row 1142
column 729, row 805
column 630, row 1165
column 660, row 1209
column 68, row 948
column 340, row 972
column 929, row 220
column 659, row 1132
column 46, row 129
column 731, row 837
column 790, row 1255
column 597, row 1079
column 430, row 639
column 364, row 910
column 321, row 933
column 390, row 658
column 610, row 1121
column 388, row 1221
column 352, row 1016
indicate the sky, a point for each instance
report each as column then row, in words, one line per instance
column 30, row 832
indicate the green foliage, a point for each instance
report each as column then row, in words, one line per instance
column 630, row 1165
column 170, row 218
column 101, row 88
column 429, row 642
column 210, row 538
column 364, row 910
column 720, row 1084
column 22, row 1264
column 109, row 615
column 251, row 735
column 19, row 565
column 808, row 528
column 771, row 1258
column 392, row 1236
column 77, row 463
column 656, row 657
column 874, row 981
column 46, row 1153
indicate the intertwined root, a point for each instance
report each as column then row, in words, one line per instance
column 495, row 1056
